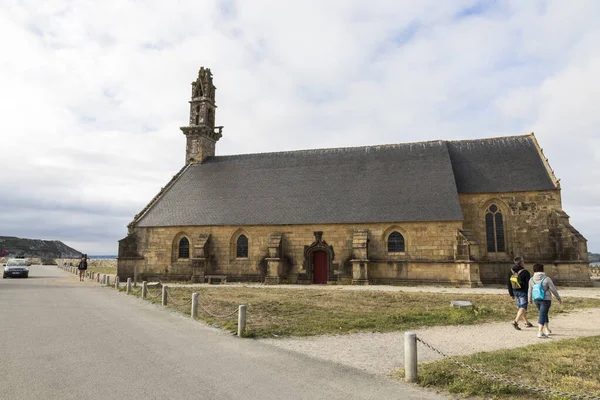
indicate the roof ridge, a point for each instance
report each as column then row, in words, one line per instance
column 490, row 138
column 329, row 149
column 386, row 145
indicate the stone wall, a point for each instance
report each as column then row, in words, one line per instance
column 565, row 273
column 536, row 228
column 533, row 223
column 429, row 254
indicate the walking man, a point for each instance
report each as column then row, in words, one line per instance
column 518, row 287
column 82, row 267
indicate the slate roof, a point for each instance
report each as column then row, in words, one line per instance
column 506, row 164
column 390, row 183
column 349, row 185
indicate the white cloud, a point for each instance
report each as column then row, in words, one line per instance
column 93, row 94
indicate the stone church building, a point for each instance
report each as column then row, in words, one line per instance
column 438, row 212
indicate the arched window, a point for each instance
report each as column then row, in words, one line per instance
column 494, row 229
column 395, row 243
column 197, row 115
column 241, row 247
column 184, row 248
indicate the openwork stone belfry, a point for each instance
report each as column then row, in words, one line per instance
column 453, row 212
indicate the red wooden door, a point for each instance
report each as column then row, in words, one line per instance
column 320, row 267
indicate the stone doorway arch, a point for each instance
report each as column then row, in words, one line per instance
column 318, row 259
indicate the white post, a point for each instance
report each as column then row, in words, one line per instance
column 410, row 357
column 241, row 320
column 194, row 305
column 164, row 295
column 144, row 289
column 128, row 285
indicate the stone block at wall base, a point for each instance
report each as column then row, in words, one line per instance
column 272, row 280
column 561, row 273
column 198, row 279
column 424, row 282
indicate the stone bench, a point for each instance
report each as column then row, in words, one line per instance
column 220, row 278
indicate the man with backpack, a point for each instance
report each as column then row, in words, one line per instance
column 82, row 267
column 518, row 288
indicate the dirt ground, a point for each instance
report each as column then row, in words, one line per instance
column 383, row 353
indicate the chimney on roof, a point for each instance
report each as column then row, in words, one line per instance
column 201, row 133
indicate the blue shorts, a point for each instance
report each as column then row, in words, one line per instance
column 521, row 299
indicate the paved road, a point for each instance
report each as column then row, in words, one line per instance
column 63, row 339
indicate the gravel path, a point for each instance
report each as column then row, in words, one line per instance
column 588, row 292
column 383, row 353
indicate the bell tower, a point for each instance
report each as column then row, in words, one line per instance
column 201, row 133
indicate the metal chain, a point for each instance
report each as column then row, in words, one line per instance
column 185, row 303
column 507, row 381
column 151, row 295
column 136, row 291
column 215, row 315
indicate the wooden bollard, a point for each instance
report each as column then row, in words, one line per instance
column 241, row 320
column 410, row 357
column 117, row 282
column 128, row 290
column 144, row 289
column 194, row 305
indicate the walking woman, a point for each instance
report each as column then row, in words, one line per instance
column 541, row 290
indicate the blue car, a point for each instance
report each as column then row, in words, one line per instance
column 16, row 267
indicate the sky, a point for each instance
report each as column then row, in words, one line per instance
column 92, row 94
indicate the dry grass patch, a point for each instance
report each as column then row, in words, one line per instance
column 296, row 312
column 570, row 365
column 103, row 270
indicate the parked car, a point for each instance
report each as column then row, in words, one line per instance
column 16, row 267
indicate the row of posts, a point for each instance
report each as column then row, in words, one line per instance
column 410, row 338
column 90, row 275
column 164, row 295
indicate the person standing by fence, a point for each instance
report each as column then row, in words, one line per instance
column 82, row 267
column 541, row 290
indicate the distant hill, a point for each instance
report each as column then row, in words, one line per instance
column 36, row 248
column 594, row 257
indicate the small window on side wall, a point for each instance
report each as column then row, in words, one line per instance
column 184, row 248
column 241, row 248
column 395, row 243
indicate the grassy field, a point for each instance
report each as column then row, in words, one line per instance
column 571, row 365
column 103, row 270
column 294, row 312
